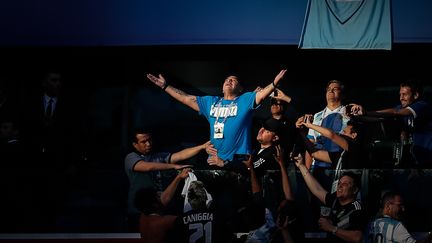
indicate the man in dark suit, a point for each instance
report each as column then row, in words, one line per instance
column 51, row 131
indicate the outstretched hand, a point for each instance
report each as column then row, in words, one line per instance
column 159, row 81
column 279, row 76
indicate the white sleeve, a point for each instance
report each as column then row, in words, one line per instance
column 401, row 234
column 412, row 111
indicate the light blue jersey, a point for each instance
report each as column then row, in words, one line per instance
column 236, row 117
column 347, row 24
column 386, row 229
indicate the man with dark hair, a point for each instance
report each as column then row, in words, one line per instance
column 351, row 156
column 230, row 116
column 142, row 167
column 346, row 219
column 332, row 117
column 387, row 227
column 416, row 115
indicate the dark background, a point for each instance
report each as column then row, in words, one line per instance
column 103, row 49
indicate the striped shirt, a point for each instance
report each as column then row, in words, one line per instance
column 387, row 229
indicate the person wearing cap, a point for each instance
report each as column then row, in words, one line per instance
column 264, row 162
column 268, row 137
column 229, row 116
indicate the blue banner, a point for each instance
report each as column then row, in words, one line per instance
column 347, row 24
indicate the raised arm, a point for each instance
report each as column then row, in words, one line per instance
column 311, row 182
column 286, row 186
column 263, row 93
column 187, row 99
column 188, row 152
column 169, row 192
column 359, row 110
column 396, row 112
column 336, row 138
column 308, row 154
column 256, row 187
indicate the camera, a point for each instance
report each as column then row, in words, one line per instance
column 348, row 110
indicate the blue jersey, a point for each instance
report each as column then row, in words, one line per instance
column 236, row 117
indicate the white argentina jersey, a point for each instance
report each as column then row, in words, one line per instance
column 386, row 229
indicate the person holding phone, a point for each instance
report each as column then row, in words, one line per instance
column 351, row 155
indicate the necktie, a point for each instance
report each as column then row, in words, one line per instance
column 48, row 111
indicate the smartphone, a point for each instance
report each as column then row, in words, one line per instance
column 275, row 93
column 296, row 150
column 348, row 110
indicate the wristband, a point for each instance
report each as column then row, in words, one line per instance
column 274, row 86
column 165, row 86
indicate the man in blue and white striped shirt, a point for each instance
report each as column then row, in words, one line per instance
column 388, row 227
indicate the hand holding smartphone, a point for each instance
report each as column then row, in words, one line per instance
column 296, row 150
